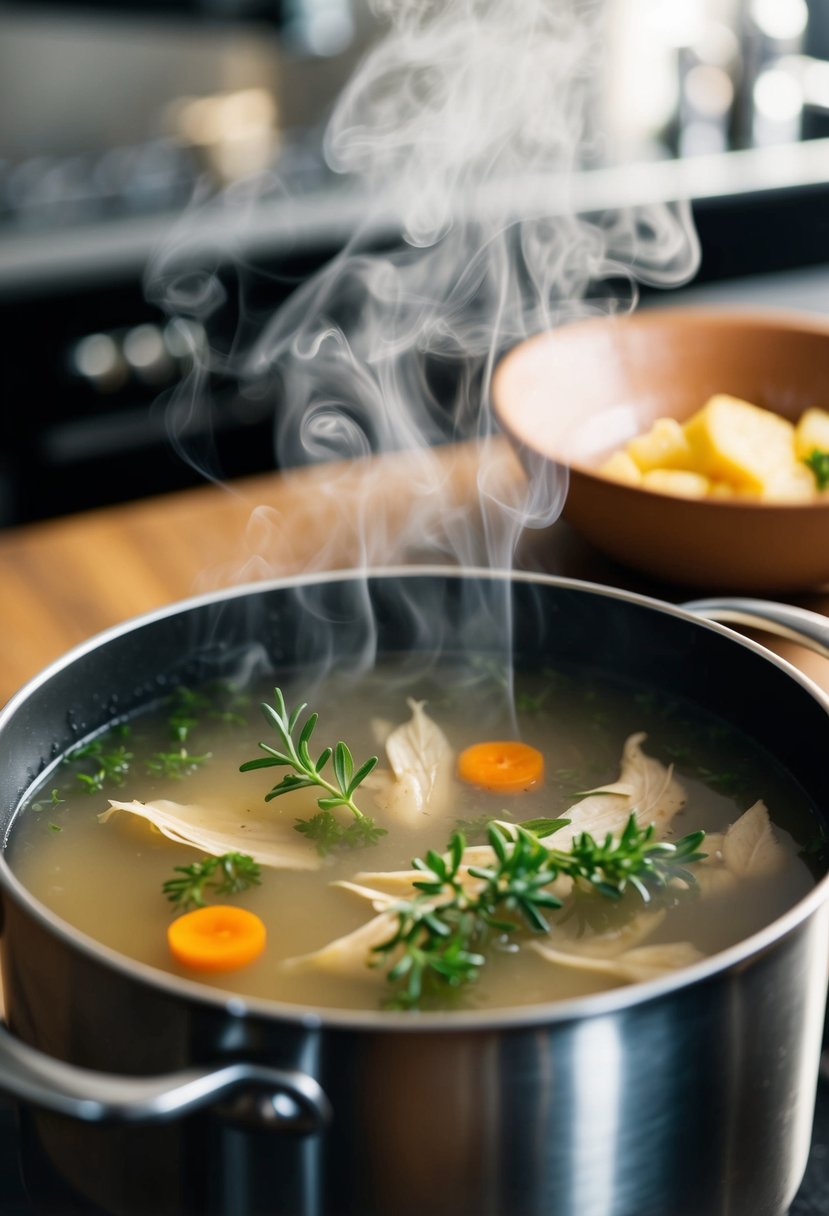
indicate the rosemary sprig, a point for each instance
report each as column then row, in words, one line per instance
column 441, row 931
column 228, row 874
column 308, row 773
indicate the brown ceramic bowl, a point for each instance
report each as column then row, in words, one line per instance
column 575, row 394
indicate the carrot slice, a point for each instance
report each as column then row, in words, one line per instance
column 217, row 938
column 503, row 766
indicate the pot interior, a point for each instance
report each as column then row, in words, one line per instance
column 349, row 622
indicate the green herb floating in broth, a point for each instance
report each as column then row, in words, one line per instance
column 441, row 932
column 229, row 874
column 328, row 834
column 178, row 764
column 54, row 799
column 436, row 925
column 571, row 897
column 110, row 763
column 307, row 773
column 189, row 708
column 106, row 761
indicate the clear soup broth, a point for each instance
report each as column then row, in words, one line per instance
column 106, row 878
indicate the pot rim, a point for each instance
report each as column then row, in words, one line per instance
column 573, row 1009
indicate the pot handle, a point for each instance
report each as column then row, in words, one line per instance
column 253, row 1094
column 797, row 624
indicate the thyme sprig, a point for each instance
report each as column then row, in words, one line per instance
column 308, row 773
column 219, row 701
column 107, row 760
column 175, row 764
column 110, row 762
column 443, row 930
column 228, row 874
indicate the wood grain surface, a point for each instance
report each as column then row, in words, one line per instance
column 64, row 580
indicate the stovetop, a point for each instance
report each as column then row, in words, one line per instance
column 29, row 1189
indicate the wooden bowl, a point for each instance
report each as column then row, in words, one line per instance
column 577, row 393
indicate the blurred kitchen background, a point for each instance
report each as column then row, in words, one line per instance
column 116, row 115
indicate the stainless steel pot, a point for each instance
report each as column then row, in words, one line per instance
column 689, row 1096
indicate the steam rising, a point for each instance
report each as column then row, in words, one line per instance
column 465, row 129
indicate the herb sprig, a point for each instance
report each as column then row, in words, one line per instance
column 175, row 764
column 229, row 874
column 110, row 762
column 323, row 829
column 818, row 462
column 442, row 931
column 107, row 761
column 328, row 834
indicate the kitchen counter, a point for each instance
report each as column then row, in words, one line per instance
column 67, row 579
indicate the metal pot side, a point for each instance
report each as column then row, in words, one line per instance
column 688, row 1097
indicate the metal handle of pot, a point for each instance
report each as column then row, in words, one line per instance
column 286, row 1100
column 785, row 620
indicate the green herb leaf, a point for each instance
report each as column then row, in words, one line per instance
column 328, row 834
column 544, row 827
column 109, row 764
column 54, row 799
column 818, row 462
column 218, row 701
column 442, row 931
column 308, row 772
column 324, row 829
column 175, row 764
column 228, row 874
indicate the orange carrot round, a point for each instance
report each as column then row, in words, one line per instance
column 216, row 938
column 506, row 767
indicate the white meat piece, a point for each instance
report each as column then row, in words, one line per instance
column 645, row 786
column 422, row 762
column 223, row 829
column 350, row 955
column 627, row 936
column 750, row 848
column 641, row 963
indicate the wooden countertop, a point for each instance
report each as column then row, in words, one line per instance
column 65, row 580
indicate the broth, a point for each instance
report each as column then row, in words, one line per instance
column 106, row 879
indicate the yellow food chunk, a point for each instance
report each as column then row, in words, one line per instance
column 664, row 446
column 620, row 467
column 795, row 484
column 722, row 489
column 730, row 449
column 812, row 431
column 734, row 441
column 676, row 481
